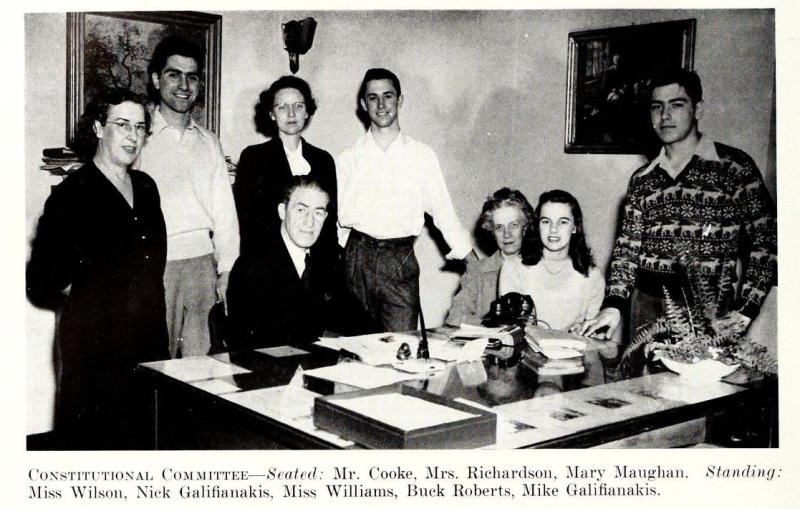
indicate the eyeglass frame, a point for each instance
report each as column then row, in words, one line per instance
column 295, row 108
column 126, row 127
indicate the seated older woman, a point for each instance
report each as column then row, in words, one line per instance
column 507, row 214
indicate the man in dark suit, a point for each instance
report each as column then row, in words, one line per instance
column 291, row 290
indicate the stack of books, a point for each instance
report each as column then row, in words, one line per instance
column 553, row 352
column 542, row 365
column 60, row 161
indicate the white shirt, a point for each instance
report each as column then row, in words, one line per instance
column 189, row 169
column 297, row 163
column 561, row 299
column 386, row 194
column 705, row 149
column 296, row 253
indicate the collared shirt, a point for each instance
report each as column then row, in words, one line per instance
column 196, row 197
column 385, row 194
column 704, row 149
column 296, row 253
column 297, row 163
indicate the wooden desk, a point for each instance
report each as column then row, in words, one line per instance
column 240, row 400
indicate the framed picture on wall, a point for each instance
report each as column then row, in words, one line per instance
column 608, row 81
column 113, row 49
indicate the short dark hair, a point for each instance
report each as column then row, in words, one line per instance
column 689, row 80
column 85, row 143
column 302, row 181
column 582, row 259
column 505, row 197
column 264, row 123
column 378, row 73
column 170, row 46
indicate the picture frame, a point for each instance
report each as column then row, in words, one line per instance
column 608, row 73
column 114, row 48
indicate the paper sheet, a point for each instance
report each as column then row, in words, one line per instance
column 282, row 351
column 191, row 369
column 473, row 350
column 358, row 374
column 381, row 349
column 215, row 386
column 284, row 401
column 402, row 411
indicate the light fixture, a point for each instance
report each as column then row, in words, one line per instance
column 298, row 36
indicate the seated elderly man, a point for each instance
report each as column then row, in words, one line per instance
column 290, row 291
column 507, row 214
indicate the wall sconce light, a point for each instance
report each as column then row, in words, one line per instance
column 297, row 39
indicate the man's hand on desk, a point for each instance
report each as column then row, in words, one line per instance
column 608, row 317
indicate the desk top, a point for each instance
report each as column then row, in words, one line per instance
column 532, row 410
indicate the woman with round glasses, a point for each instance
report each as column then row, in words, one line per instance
column 100, row 251
column 283, row 112
column 557, row 270
column 506, row 214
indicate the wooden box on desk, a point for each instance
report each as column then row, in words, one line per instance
column 476, row 431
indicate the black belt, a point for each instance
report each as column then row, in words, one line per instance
column 372, row 241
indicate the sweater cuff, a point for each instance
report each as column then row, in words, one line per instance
column 615, row 301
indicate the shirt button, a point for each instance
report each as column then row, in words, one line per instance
column 146, row 257
column 135, row 218
column 144, row 237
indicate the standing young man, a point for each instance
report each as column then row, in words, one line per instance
column 698, row 200
column 188, row 165
column 387, row 183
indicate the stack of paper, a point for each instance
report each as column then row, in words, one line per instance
column 60, row 161
column 470, row 332
column 563, row 362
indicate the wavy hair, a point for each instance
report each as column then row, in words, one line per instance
column 85, row 143
column 505, row 197
column 171, row 46
column 264, row 123
column 579, row 251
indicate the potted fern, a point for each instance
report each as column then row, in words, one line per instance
column 691, row 339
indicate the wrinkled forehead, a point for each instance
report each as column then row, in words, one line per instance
column 311, row 197
column 507, row 214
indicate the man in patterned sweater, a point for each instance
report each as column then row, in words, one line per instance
column 697, row 200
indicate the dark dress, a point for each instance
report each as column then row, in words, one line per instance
column 270, row 305
column 114, row 318
column 262, row 174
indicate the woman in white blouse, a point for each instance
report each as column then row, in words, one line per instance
column 557, row 270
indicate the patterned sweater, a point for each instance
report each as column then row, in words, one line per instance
column 712, row 211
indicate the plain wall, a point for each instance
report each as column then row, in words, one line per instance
column 485, row 89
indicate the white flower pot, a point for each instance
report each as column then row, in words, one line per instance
column 707, row 369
